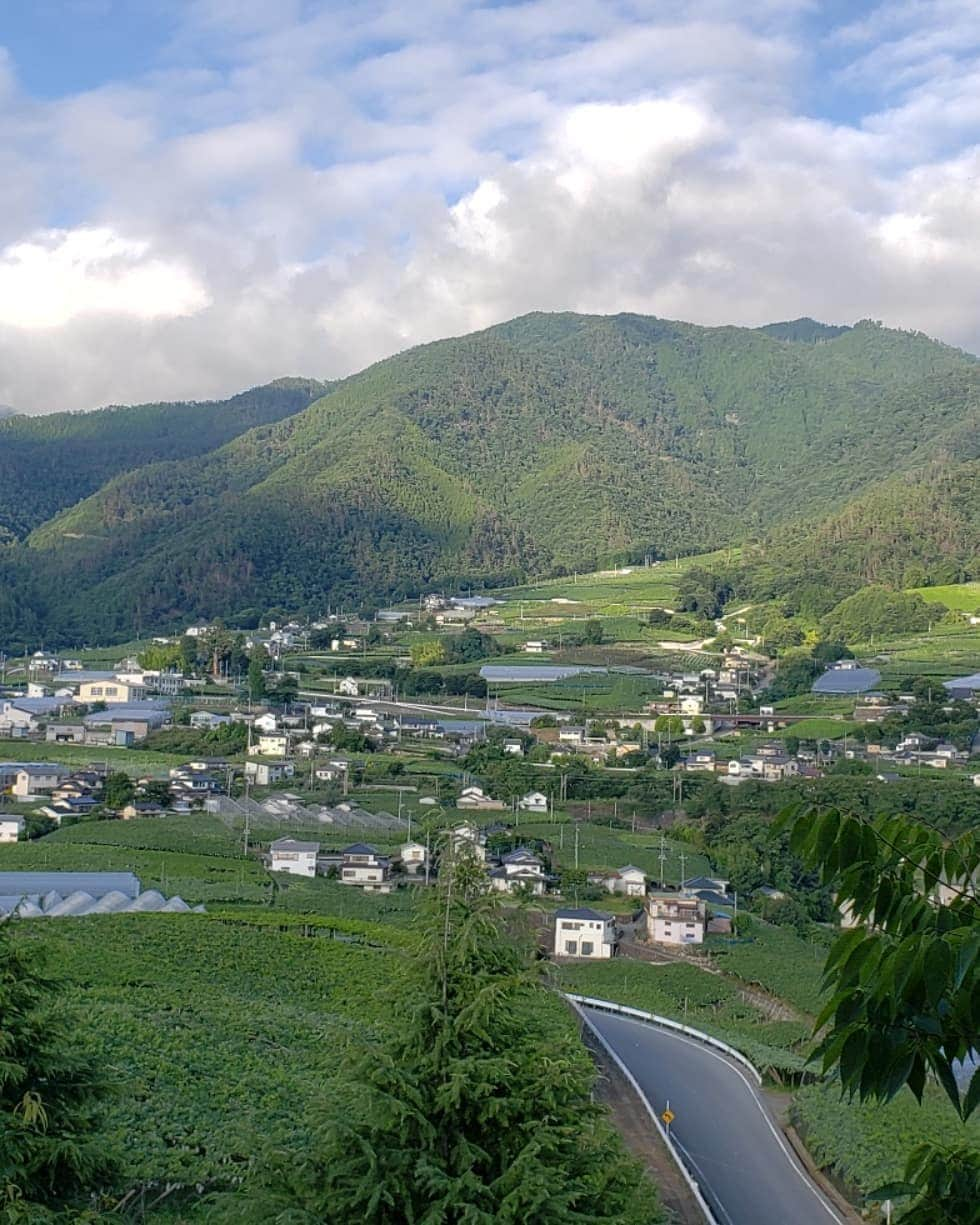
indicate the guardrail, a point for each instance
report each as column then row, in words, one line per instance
column 638, row 1014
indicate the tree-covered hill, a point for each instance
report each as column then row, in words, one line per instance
column 549, row 441
column 922, row 527
column 51, row 462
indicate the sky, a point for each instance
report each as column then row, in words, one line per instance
column 197, row 196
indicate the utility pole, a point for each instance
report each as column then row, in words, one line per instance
column 683, row 862
column 576, row 845
column 663, row 857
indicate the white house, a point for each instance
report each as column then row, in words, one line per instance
column 476, row 797
column 515, row 747
column 468, row 837
column 269, row 773
column 583, row 932
column 273, row 744
column 11, row 828
column 349, row 687
column 208, row 720
column 518, row 869
column 534, row 801
column 629, row 880
column 363, row 865
column 413, row 856
column 536, row 646
column 38, row 778
column 266, row 723
column 675, row 918
column 298, row 858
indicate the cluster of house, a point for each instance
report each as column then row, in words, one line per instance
column 769, row 763
column 360, row 864
column 702, row 906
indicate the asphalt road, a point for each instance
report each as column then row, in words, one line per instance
column 746, row 1169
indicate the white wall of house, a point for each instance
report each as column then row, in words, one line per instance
column 589, row 938
column 298, row 863
column 11, row 828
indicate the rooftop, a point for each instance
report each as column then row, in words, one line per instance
column 582, row 912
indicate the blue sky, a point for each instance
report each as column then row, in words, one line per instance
column 197, row 196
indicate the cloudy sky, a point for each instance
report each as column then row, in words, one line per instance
column 200, row 195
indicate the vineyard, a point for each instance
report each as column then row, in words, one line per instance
column 866, row 1146
column 218, row 1037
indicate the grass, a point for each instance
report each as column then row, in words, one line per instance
column 961, row 597
column 867, row 1146
column 133, row 761
column 816, row 729
column 706, row 1001
column 948, row 651
column 602, row 847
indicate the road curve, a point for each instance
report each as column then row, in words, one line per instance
column 745, row 1167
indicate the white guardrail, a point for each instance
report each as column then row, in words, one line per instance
column 583, row 1001
column 666, row 1023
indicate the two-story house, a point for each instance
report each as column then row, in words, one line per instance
column 675, row 918
column 289, row 855
column 583, row 932
column 362, row 865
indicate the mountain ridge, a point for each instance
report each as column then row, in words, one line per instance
column 546, row 442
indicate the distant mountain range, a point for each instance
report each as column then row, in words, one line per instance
column 550, row 441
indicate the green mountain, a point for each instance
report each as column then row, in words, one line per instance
column 51, row 462
column 550, row 441
column 919, row 528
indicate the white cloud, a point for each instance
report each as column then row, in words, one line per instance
column 306, row 190
column 58, row 275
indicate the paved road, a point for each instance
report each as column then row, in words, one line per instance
column 746, row 1170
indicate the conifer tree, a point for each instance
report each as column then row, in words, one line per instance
column 475, row 1109
column 50, row 1151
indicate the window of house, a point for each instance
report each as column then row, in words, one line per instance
column 587, row 948
column 571, row 946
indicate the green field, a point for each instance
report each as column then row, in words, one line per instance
column 133, row 761
column 950, row 650
column 602, row 847
column 866, row 1146
column 217, row 1039
column 962, row 597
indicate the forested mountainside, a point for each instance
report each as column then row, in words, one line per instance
column 48, row 463
column 908, row 531
column 549, row 441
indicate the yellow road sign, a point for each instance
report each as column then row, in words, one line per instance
column 668, row 1117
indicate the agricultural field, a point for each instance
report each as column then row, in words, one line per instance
column 866, row 1146
column 961, row 597
column 217, row 1038
column 133, row 761
column 602, row 847
column 626, row 588
column 774, row 958
column 948, row 651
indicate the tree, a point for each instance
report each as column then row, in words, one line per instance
column 592, row 633
column 427, row 654
column 50, row 1153
column 670, row 755
column 118, row 790
column 157, row 791
column 256, row 674
column 905, row 980
column 476, row 1107
column 669, row 725
column 697, row 725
